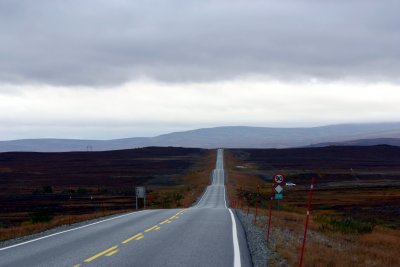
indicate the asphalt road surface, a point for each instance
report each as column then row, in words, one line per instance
column 208, row 234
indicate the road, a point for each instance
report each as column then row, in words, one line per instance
column 207, row 234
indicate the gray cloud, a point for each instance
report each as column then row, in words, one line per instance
column 110, row 42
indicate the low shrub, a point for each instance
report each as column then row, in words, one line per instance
column 41, row 215
column 343, row 225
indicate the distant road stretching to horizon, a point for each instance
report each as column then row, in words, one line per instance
column 207, row 234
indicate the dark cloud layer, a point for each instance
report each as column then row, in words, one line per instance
column 110, row 42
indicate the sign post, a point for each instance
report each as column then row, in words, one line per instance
column 307, row 218
column 140, row 193
column 276, row 193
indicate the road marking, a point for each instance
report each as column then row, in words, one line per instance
column 166, row 221
column 155, row 227
column 111, row 253
column 101, row 254
column 70, row 230
column 131, row 238
column 77, row 265
column 203, row 196
column 225, row 197
column 236, row 249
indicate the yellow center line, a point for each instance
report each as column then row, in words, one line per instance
column 77, row 265
column 100, row 254
column 151, row 228
column 131, row 238
column 111, row 253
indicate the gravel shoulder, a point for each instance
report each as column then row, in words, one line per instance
column 261, row 255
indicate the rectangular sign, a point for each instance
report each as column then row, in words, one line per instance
column 278, row 196
column 140, row 192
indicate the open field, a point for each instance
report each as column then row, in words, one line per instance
column 42, row 190
column 355, row 209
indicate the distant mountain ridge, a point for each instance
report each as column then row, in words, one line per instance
column 227, row 137
column 362, row 142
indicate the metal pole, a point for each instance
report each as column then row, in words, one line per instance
column 307, row 218
column 270, row 212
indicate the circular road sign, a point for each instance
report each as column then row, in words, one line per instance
column 279, row 179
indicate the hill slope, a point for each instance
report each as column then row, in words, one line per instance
column 228, row 137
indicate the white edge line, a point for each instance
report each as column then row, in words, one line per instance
column 225, row 197
column 236, row 250
column 202, row 196
column 70, row 230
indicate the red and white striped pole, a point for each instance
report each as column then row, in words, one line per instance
column 69, row 205
column 258, row 193
column 307, row 218
column 248, row 205
column 270, row 212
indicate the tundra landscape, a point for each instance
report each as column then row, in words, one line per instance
column 355, row 209
column 199, row 133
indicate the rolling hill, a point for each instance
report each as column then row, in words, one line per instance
column 228, row 137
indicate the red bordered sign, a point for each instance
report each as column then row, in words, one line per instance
column 279, row 179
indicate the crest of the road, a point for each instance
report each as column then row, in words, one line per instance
column 208, row 234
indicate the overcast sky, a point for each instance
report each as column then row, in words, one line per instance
column 109, row 69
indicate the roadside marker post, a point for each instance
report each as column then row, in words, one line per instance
column 257, row 198
column 248, row 205
column 307, row 218
column 270, row 212
column 69, row 206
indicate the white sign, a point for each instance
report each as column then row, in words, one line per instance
column 278, row 188
column 140, row 192
column 278, row 179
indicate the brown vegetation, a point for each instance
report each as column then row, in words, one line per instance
column 355, row 214
column 41, row 190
